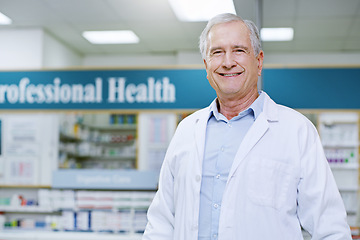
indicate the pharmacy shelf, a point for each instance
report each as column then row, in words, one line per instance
column 50, row 235
column 111, row 127
column 103, row 157
column 24, row 186
column 340, row 145
column 26, row 209
column 353, row 166
column 348, row 188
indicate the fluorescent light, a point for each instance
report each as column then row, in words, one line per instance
column 111, row 37
column 200, row 10
column 4, row 20
column 277, row 34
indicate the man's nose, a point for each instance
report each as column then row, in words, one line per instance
column 229, row 60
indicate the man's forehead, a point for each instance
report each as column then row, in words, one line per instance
column 222, row 29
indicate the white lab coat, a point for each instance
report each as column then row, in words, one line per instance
column 279, row 179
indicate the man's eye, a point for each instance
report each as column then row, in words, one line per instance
column 216, row 52
column 239, row 50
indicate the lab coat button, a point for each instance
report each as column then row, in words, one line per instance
column 198, row 178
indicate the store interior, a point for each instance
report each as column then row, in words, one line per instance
column 86, row 167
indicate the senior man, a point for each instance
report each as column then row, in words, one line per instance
column 244, row 167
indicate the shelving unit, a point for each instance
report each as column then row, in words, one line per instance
column 339, row 132
column 76, row 214
column 36, row 235
column 98, row 141
column 98, row 157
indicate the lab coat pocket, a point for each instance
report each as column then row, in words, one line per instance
column 269, row 182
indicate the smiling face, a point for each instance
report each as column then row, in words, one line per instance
column 231, row 66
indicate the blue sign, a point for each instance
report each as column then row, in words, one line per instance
column 105, row 179
column 327, row 88
column 105, row 89
column 309, row 88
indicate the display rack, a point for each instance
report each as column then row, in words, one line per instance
column 114, row 209
column 339, row 133
column 93, row 211
column 105, row 141
column 36, row 235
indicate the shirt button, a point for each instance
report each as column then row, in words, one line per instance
column 222, row 149
column 229, row 125
column 217, row 176
column 215, row 236
column 198, row 178
column 216, row 205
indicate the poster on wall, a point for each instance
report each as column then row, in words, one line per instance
column 156, row 131
column 22, row 149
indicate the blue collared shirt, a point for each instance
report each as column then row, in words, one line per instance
column 223, row 138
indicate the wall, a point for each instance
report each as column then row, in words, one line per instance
column 34, row 49
column 57, row 55
column 194, row 58
column 21, row 48
column 135, row 60
column 181, row 58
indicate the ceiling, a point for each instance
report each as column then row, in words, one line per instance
column 319, row 25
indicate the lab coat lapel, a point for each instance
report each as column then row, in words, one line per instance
column 257, row 130
column 200, row 132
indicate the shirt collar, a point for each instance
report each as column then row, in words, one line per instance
column 255, row 108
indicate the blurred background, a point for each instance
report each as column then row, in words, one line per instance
column 91, row 92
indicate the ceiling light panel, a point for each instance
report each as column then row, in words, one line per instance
column 4, row 20
column 277, row 34
column 200, row 10
column 111, row 37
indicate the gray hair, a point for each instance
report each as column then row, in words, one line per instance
column 225, row 18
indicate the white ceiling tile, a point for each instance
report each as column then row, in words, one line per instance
column 83, row 11
column 31, row 13
column 326, row 8
column 354, row 29
column 316, row 45
column 352, row 44
column 329, row 25
column 246, row 9
column 143, row 11
column 279, row 9
column 322, row 27
column 277, row 47
column 279, row 22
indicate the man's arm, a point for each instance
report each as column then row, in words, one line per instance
column 320, row 207
column 161, row 211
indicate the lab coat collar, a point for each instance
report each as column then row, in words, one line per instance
column 259, row 128
column 269, row 108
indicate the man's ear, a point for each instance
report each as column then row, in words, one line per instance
column 260, row 60
column 205, row 63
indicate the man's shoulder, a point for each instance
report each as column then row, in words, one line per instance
column 193, row 117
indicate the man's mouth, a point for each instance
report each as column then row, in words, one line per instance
column 229, row 74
